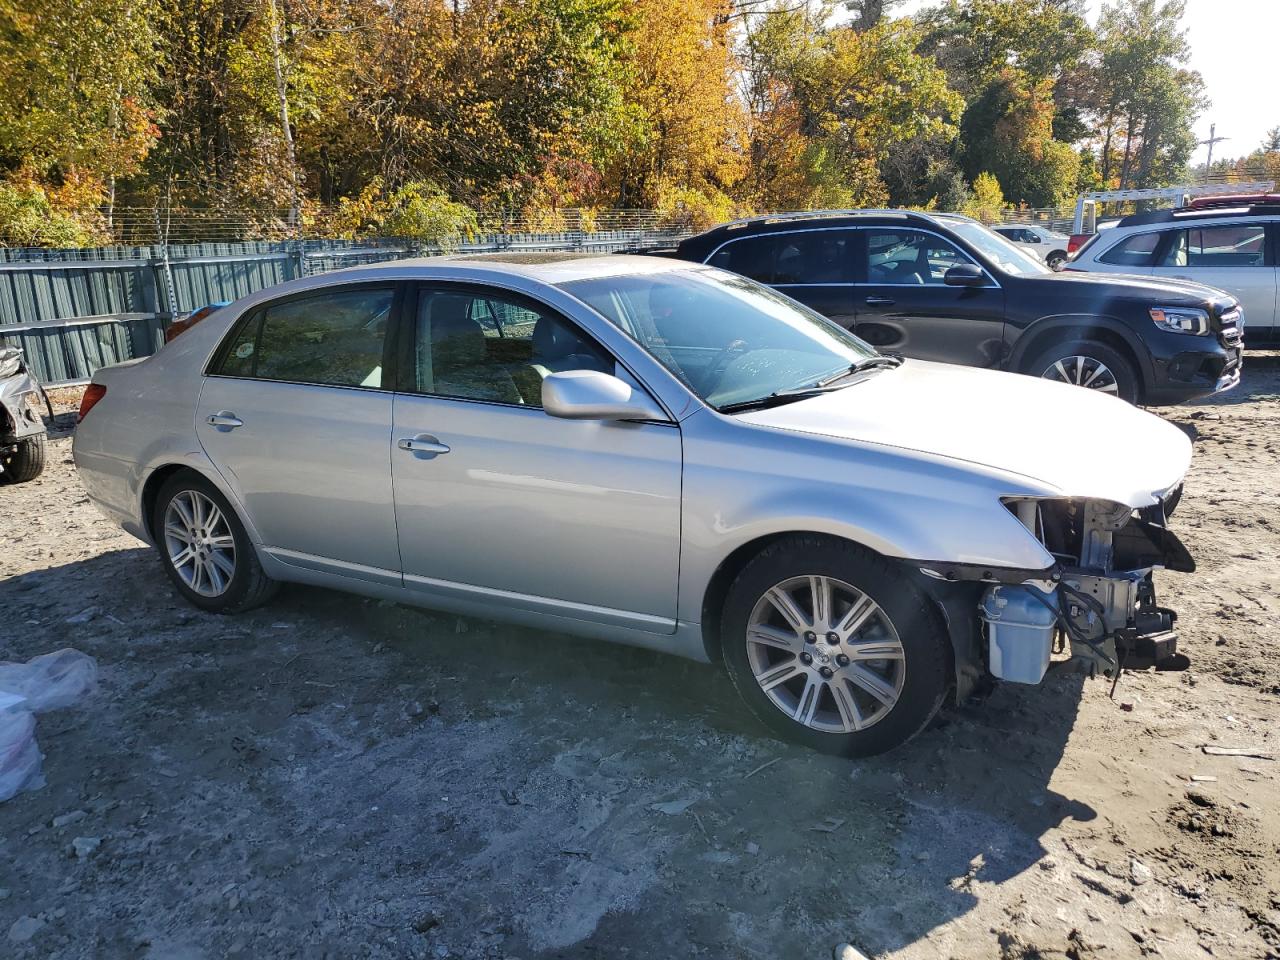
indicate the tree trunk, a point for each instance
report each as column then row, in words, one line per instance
column 1128, row 151
column 282, row 92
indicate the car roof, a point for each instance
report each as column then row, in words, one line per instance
column 519, row 270
column 538, row 266
column 779, row 222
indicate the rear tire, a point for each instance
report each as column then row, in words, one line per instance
column 1090, row 364
column 878, row 656
column 204, row 548
column 1056, row 260
column 27, row 461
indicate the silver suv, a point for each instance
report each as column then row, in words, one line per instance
column 651, row 452
column 1232, row 243
column 1048, row 246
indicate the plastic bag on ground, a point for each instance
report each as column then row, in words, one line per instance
column 19, row 754
column 50, row 681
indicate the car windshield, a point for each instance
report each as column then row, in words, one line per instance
column 1001, row 253
column 729, row 339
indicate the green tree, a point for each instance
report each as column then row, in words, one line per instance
column 1008, row 131
column 1148, row 98
column 987, row 201
column 830, row 105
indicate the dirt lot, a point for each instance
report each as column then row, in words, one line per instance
column 335, row 777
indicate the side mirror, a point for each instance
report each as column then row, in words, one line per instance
column 965, row 275
column 591, row 395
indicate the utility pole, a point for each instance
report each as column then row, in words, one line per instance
column 1208, row 160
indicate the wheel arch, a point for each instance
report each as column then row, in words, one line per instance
column 151, row 490
column 966, row 666
column 1044, row 333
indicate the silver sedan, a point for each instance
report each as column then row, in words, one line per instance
column 655, row 453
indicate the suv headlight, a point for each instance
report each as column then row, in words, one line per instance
column 1181, row 319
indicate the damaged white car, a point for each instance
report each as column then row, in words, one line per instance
column 655, row 453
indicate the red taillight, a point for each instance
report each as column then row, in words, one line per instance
column 1077, row 241
column 92, row 394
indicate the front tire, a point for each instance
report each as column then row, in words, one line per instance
column 830, row 646
column 204, row 548
column 27, row 460
column 1090, row 364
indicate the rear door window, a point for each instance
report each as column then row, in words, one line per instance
column 1133, row 251
column 779, row 259
column 1229, row 245
column 335, row 338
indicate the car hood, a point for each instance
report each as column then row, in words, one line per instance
column 1078, row 442
column 1173, row 291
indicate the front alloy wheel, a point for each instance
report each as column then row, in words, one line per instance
column 1083, row 372
column 825, row 654
column 1088, row 363
column 834, row 646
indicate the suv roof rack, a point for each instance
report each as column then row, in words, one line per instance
column 1220, row 207
column 789, row 215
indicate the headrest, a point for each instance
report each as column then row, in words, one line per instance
column 456, row 339
column 553, row 340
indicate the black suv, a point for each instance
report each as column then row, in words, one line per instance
column 944, row 287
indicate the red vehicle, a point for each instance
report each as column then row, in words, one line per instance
column 1234, row 200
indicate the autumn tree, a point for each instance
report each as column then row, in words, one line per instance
column 684, row 130
column 78, row 111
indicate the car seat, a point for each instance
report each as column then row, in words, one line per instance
column 457, row 359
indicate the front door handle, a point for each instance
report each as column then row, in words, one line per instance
column 423, row 446
column 224, row 420
column 879, row 301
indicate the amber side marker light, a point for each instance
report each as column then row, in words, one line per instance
column 92, row 394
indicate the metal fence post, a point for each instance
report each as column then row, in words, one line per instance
column 172, row 295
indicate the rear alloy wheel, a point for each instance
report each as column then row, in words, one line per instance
column 1056, row 259
column 1089, row 364
column 198, row 540
column 204, row 547
column 832, row 647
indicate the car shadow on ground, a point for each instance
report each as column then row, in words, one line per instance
column 538, row 795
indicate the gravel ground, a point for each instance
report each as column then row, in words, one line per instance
column 335, row 777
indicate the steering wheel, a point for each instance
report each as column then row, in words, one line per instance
column 716, row 369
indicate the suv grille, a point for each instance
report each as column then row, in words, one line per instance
column 1229, row 327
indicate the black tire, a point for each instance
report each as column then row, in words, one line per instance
column 27, row 460
column 248, row 586
column 1055, row 260
column 926, row 649
column 1125, row 377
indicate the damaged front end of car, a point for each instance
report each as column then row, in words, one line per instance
column 1097, row 599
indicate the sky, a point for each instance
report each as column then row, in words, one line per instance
column 1232, row 45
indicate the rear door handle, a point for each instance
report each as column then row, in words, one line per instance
column 423, row 446
column 879, row 301
column 224, row 420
